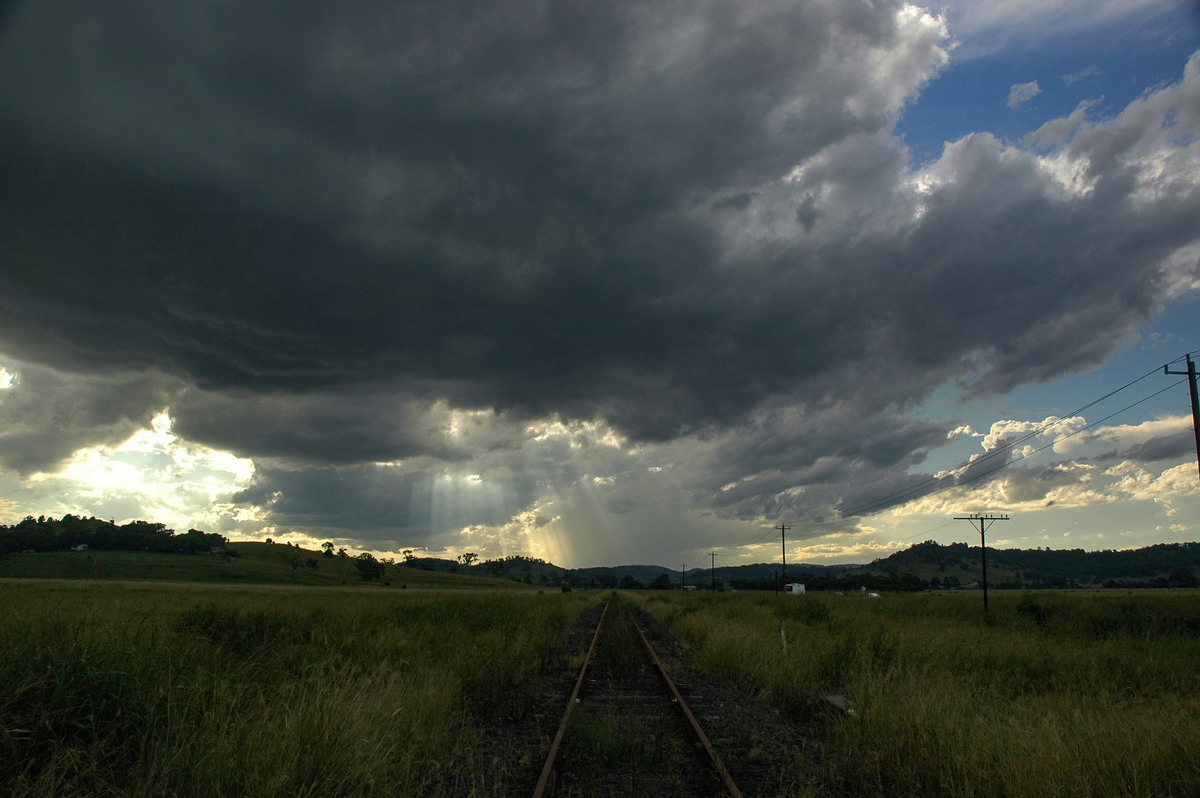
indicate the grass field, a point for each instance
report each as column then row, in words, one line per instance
column 153, row 689
column 1054, row 694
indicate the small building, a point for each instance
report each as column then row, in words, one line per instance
column 794, row 587
column 80, row 547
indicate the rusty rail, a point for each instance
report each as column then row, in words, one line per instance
column 693, row 724
column 552, row 757
column 726, row 779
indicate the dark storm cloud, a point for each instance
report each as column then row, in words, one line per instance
column 377, row 504
column 337, row 427
column 811, row 462
column 1161, row 447
column 416, row 504
column 327, row 227
column 47, row 416
column 499, row 202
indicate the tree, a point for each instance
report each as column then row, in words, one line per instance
column 1182, row 577
column 468, row 559
column 327, row 547
column 661, row 582
column 368, row 567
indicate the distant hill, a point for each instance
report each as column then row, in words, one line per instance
column 957, row 564
column 919, row 567
column 539, row 572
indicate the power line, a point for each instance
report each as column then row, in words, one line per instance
column 896, row 496
column 762, row 537
column 953, row 475
column 933, row 485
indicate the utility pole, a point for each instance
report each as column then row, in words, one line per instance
column 783, row 528
column 683, row 576
column 712, row 569
column 984, row 522
column 1191, row 375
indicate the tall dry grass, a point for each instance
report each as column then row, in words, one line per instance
column 165, row 690
column 1053, row 694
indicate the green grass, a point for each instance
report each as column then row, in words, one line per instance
column 260, row 563
column 142, row 688
column 1054, row 694
column 149, row 689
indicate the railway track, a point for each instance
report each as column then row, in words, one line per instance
column 626, row 729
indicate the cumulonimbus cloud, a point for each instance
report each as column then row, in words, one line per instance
column 689, row 223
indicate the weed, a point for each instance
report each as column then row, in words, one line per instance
column 1067, row 694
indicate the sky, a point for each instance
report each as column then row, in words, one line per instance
column 603, row 283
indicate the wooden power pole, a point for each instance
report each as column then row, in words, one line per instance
column 984, row 522
column 1191, row 375
column 783, row 528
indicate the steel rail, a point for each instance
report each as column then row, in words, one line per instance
column 552, row 757
column 726, row 779
column 544, row 780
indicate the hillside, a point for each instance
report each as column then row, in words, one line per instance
column 1162, row 565
column 256, row 563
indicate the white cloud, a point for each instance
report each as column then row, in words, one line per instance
column 986, row 26
column 1174, row 483
column 1006, row 431
column 1086, row 72
column 1022, row 92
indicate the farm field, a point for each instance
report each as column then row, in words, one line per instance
column 1054, row 694
column 151, row 689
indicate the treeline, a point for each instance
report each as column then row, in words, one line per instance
column 1158, row 566
column 72, row 532
column 1150, row 563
